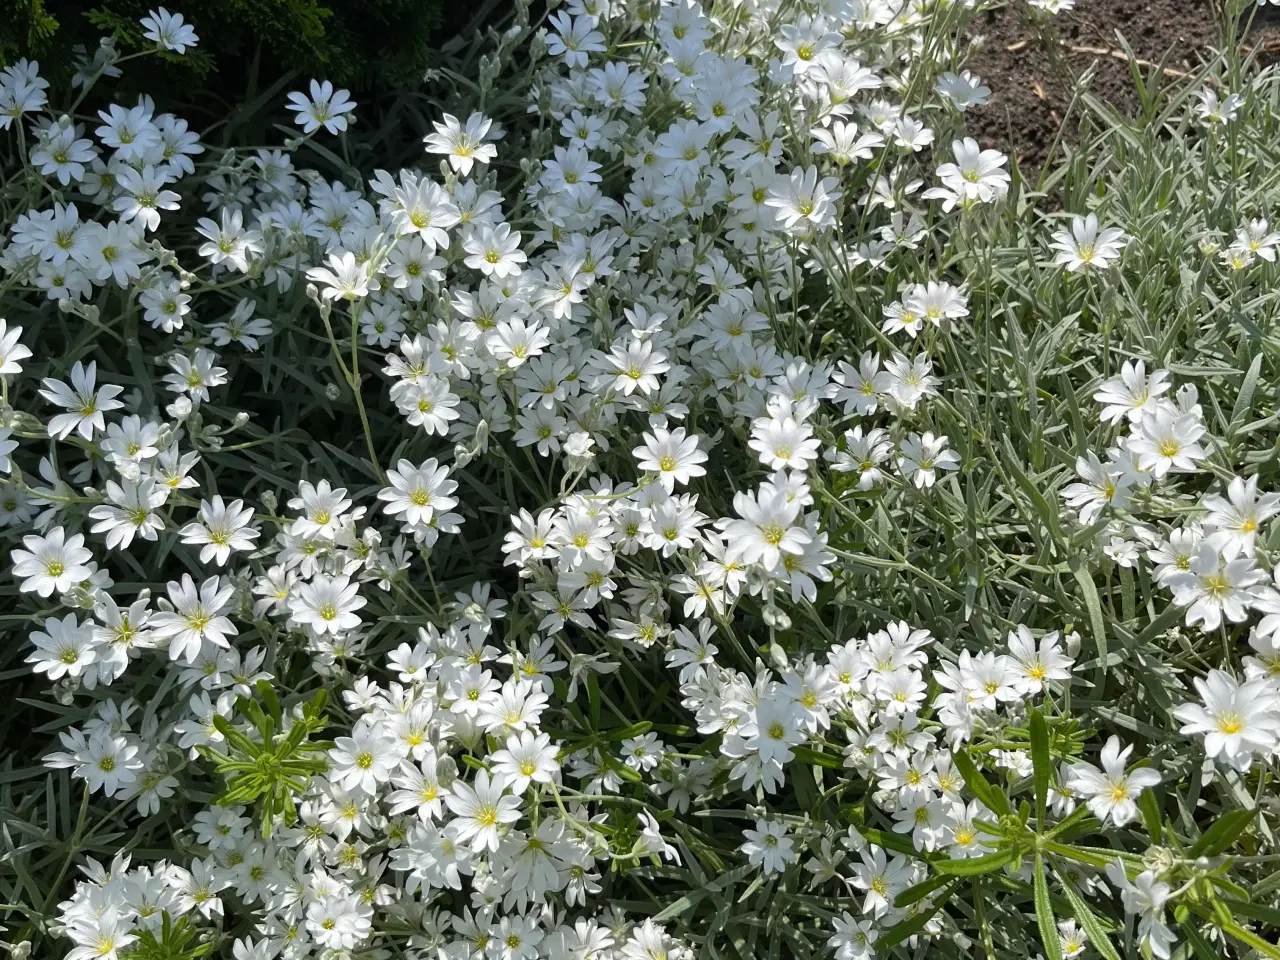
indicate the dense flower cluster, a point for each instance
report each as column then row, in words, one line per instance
column 612, row 403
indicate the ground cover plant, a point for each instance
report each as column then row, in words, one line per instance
column 706, row 505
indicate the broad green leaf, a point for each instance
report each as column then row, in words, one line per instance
column 1150, row 811
column 816, row 759
column 1244, row 400
column 975, row 866
column 725, row 880
column 992, row 797
column 1255, row 911
column 890, row 841
column 1234, row 929
column 1222, row 833
column 909, row 928
column 1089, row 921
column 1097, row 626
column 1044, row 913
column 1202, row 948
column 626, row 733
column 919, row 891
column 1043, row 764
column 1047, row 512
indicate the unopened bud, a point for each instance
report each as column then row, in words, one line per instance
column 776, row 653
column 537, row 50
column 489, row 69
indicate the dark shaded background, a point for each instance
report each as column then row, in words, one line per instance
column 373, row 47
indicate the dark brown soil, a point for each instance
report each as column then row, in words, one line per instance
column 1031, row 72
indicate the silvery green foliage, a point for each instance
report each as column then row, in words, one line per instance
column 711, row 507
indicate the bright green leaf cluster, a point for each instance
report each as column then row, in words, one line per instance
column 270, row 770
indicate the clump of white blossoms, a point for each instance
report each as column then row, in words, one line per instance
column 708, row 506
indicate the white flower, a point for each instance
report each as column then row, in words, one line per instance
column 802, row 43
column 131, row 511
column 922, row 457
column 643, row 752
column 1168, row 440
column 194, row 376
column 129, row 131
column 196, row 617
column 853, row 939
column 842, row 142
column 1103, row 485
column 494, row 251
column 766, row 529
column 528, row 757
column 363, row 760
column 1234, row 521
column 7, row 447
column 1110, row 791
column 862, row 455
column 63, row 648
column 1038, row 665
column 768, row 846
column 85, row 402
column 963, row 89
column 222, row 528
column 169, row 31
column 482, row 810
column 108, row 763
column 777, row 729
column 326, row 107
column 1085, row 246
column 100, row 936
column 429, row 404
column 464, row 145
column 1237, row 720
column 1131, row 393
column 637, row 365
column 574, row 38
column 338, row 922
column 229, row 241
column 976, row 174
column 783, row 443
column 1145, row 897
column 515, row 341
column 672, row 455
column 11, row 351
column 323, row 507
column 343, row 279
column 881, row 879
column 417, row 493
column 1213, row 588
column 802, row 201
column 328, row 604
column 52, row 562
column 145, row 196
column 1071, row 939
column 1214, row 112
